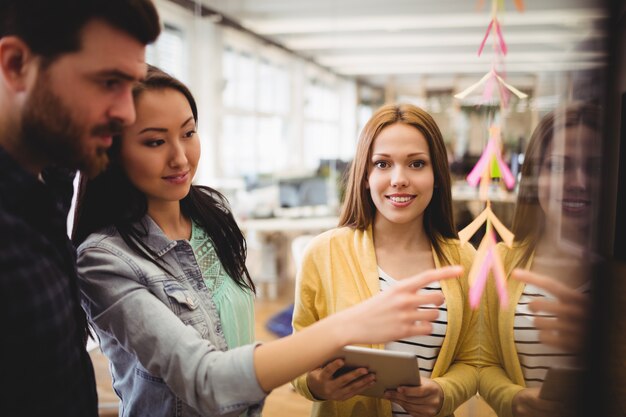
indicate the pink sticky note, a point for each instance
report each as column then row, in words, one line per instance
column 476, row 290
column 488, row 91
column 500, row 37
column 473, row 178
column 482, row 44
column 499, row 275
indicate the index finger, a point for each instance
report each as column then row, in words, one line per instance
column 558, row 289
column 423, row 279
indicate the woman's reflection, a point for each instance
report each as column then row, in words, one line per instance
column 548, row 266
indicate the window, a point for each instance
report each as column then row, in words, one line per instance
column 321, row 128
column 169, row 53
column 256, row 100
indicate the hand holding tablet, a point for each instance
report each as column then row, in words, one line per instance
column 390, row 368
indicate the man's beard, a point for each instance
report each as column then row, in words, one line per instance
column 50, row 131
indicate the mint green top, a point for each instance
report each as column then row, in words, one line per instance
column 234, row 303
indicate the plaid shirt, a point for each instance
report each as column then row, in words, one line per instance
column 45, row 368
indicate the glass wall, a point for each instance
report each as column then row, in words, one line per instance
column 273, row 120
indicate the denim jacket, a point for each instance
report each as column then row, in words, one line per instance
column 161, row 330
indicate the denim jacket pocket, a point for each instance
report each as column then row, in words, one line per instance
column 183, row 299
column 186, row 305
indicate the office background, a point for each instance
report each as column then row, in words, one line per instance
column 285, row 86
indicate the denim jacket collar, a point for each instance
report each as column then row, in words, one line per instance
column 154, row 237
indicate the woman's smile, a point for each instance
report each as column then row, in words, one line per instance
column 179, row 178
column 401, row 200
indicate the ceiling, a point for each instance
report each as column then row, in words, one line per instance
column 428, row 44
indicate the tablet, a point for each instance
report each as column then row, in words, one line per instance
column 392, row 368
column 561, row 384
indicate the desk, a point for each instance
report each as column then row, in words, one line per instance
column 269, row 252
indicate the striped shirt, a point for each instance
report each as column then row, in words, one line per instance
column 425, row 348
column 535, row 357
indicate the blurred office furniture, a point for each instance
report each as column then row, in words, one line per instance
column 298, row 192
column 268, row 241
column 298, row 246
column 259, row 199
column 280, row 323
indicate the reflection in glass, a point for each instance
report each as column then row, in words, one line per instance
column 543, row 329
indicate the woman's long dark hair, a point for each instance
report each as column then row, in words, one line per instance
column 111, row 199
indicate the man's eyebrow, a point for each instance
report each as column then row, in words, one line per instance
column 116, row 74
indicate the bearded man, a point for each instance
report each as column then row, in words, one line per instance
column 67, row 68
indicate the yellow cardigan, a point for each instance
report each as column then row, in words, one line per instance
column 339, row 270
column 501, row 377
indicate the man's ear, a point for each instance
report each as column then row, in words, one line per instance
column 17, row 63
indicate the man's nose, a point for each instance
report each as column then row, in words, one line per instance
column 123, row 108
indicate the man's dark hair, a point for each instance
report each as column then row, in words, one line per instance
column 53, row 27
